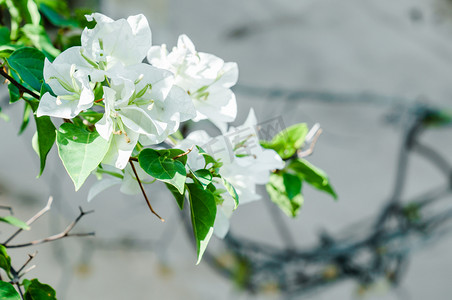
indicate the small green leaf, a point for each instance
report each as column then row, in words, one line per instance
column 231, row 190
column 162, row 166
column 28, row 63
column 81, row 151
column 203, row 176
column 180, row 198
column 292, row 184
column 203, row 212
column 34, row 290
column 5, row 35
column 287, row 142
column 14, row 93
column 45, row 138
column 91, row 116
column 55, row 17
column 15, row 222
column 208, row 158
column 8, row 292
column 278, row 194
column 5, row 260
column 25, row 118
column 313, row 175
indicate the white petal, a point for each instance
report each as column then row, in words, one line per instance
column 251, row 120
column 230, row 75
column 50, row 106
column 140, row 122
column 221, row 225
column 185, row 43
column 178, row 101
column 120, row 150
column 142, row 32
column 130, row 184
column 101, row 186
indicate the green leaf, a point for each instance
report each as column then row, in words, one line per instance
column 203, row 176
column 292, row 184
column 287, row 142
column 25, row 118
column 16, row 17
column 34, row 290
column 8, row 292
column 81, row 151
column 231, row 190
column 278, row 194
column 162, row 166
column 5, row 35
column 208, row 158
column 55, row 17
column 45, row 138
column 15, row 222
column 28, row 63
column 91, row 116
column 5, row 260
column 180, row 198
column 313, row 175
column 203, row 212
column 3, row 116
column 14, row 93
column 39, row 38
column 31, row 12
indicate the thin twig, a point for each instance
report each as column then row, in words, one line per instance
column 61, row 235
column 7, row 208
column 27, row 270
column 21, row 88
column 142, row 190
column 310, row 150
column 30, row 257
column 185, row 153
column 32, row 219
column 20, row 290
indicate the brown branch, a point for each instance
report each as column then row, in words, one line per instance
column 30, row 257
column 142, row 190
column 21, row 88
column 310, row 150
column 31, row 220
column 61, row 235
column 185, row 153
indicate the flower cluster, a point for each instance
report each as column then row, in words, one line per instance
column 244, row 164
column 142, row 104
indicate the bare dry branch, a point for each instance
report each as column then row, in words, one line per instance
column 31, row 220
column 61, row 235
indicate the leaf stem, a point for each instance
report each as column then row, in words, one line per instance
column 142, row 190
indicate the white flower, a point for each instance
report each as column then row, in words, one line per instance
column 205, row 77
column 71, row 79
column 143, row 105
column 126, row 178
column 111, row 42
column 245, row 164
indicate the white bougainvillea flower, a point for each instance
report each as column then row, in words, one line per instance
column 245, row 164
column 71, row 79
column 141, row 104
column 205, row 77
column 126, row 178
column 111, row 42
